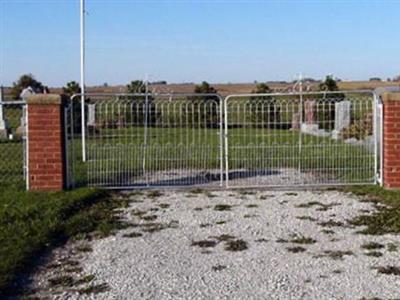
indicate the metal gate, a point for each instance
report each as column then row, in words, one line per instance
column 146, row 140
column 297, row 139
column 323, row 138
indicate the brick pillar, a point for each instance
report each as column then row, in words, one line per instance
column 46, row 161
column 391, row 140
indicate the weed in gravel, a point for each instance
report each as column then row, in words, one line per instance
column 246, row 192
column 246, row 216
column 236, row 245
column 154, row 194
column 203, row 225
column 149, row 218
column 223, row 237
column 392, row 247
column 251, row 205
column 218, row 268
column 85, row 279
column 372, row 246
column 132, row 235
column 296, row 249
column 327, row 231
column 337, row 271
column 265, row 197
column 280, row 240
column 94, row 289
column 374, row 253
column 291, row 194
column 389, row 270
column 196, row 191
column 154, row 209
column 309, row 204
column 308, row 218
column 331, row 223
column 138, row 213
column 204, row 243
column 164, row 205
column 303, row 240
column 222, row 207
column 220, row 222
column 64, row 280
column 262, row 240
column 156, row 227
column 198, row 208
column 335, row 254
column 84, row 248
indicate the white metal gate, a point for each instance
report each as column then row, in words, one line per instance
column 300, row 139
column 295, row 139
column 149, row 140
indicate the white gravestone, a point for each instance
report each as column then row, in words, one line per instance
column 342, row 115
column 342, row 118
column 91, row 114
column 3, row 123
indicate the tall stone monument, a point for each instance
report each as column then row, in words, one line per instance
column 3, row 123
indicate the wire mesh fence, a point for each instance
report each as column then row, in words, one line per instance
column 246, row 140
column 12, row 144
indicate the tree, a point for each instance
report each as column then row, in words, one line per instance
column 264, row 109
column 329, row 84
column 326, row 103
column 136, row 87
column 72, row 88
column 25, row 81
column 205, row 108
column 204, row 88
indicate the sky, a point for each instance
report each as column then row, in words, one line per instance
column 192, row 41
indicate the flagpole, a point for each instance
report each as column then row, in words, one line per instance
column 83, row 125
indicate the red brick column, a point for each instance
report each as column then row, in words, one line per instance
column 391, row 140
column 45, row 141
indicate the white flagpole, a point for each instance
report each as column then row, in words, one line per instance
column 83, row 125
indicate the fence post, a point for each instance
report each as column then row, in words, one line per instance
column 391, row 140
column 45, row 143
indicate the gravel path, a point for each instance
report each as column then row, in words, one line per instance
column 256, row 245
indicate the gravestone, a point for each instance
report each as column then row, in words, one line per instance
column 309, row 111
column 296, row 121
column 3, row 123
column 342, row 118
column 91, row 115
column 342, row 115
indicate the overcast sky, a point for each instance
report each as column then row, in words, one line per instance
column 191, row 41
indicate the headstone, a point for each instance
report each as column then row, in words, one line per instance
column 296, row 121
column 26, row 93
column 3, row 123
column 342, row 115
column 309, row 111
column 91, row 114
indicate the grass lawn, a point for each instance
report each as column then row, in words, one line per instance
column 31, row 223
column 115, row 155
column 387, row 218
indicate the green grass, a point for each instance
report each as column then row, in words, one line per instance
column 387, row 217
column 31, row 223
column 117, row 154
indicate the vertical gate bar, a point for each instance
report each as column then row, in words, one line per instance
column 375, row 123
column 221, row 145
column 226, row 142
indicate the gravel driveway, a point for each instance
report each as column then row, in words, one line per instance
column 236, row 245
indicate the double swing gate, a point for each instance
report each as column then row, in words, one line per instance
column 157, row 140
